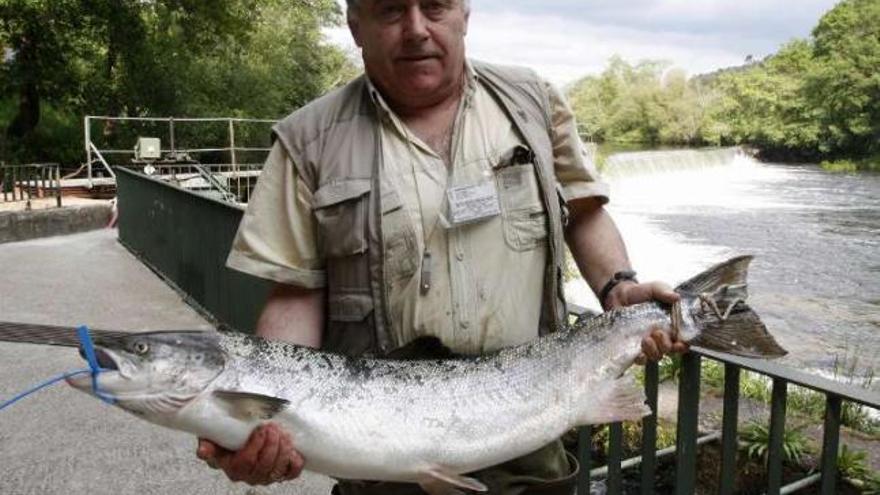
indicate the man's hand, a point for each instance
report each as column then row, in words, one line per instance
column 267, row 457
column 658, row 342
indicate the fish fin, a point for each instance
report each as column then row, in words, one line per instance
column 727, row 323
column 741, row 333
column 248, row 407
column 619, row 400
column 441, row 481
column 732, row 272
column 428, row 347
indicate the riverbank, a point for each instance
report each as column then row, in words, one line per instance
column 870, row 164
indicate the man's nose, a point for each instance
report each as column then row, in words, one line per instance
column 415, row 24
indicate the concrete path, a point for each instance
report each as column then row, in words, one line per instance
column 61, row 441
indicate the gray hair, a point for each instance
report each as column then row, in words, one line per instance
column 354, row 5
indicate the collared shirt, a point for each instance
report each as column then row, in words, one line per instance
column 486, row 277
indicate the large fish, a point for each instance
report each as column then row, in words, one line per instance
column 423, row 421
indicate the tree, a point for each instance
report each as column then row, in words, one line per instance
column 845, row 86
column 258, row 58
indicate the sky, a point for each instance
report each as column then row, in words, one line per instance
column 565, row 40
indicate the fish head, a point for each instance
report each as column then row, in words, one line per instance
column 154, row 374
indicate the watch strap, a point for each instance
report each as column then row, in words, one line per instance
column 623, row 275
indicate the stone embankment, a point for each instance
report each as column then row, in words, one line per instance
column 19, row 224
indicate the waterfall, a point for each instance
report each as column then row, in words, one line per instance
column 640, row 163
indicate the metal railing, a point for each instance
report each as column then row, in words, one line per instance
column 226, row 182
column 30, row 181
column 232, row 149
column 687, row 434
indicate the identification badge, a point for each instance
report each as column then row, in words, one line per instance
column 473, row 203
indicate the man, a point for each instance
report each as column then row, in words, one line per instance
column 430, row 197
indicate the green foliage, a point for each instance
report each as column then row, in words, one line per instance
column 814, row 99
column 872, row 485
column 632, row 436
column 236, row 58
column 756, row 442
column 669, row 367
column 712, row 374
column 853, row 464
column 839, row 166
column 644, row 103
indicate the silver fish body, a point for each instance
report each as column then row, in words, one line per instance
column 393, row 420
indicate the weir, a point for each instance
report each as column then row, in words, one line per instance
column 641, row 163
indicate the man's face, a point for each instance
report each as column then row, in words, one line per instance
column 412, row 49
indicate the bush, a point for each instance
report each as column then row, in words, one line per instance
column 839, row 166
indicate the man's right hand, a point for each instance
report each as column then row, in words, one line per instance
column 267, row 457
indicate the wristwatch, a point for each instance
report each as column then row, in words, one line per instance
column 628, row 275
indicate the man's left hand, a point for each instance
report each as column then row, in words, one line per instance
column 658, row 342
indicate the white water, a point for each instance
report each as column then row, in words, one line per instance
column 650, row 182
column 816, row 238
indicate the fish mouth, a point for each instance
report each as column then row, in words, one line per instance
column 106, row 363
column 105, row 360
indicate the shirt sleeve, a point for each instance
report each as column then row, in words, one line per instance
column 276, row 239
column 574, row 166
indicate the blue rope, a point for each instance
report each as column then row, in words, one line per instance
column 89, row 349
column 41, row 386
column 94, row 369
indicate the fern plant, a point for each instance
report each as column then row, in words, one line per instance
column 756, row 439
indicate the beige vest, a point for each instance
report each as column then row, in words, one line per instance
column 335, row 144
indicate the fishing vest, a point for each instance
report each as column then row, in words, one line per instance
column 335, row 145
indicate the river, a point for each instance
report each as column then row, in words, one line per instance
column 815, row 235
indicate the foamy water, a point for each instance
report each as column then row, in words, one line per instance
column 815, row 236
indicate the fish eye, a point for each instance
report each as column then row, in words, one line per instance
column 141, row 347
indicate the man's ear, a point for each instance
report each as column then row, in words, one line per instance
column 467, row 17
column 354, row 27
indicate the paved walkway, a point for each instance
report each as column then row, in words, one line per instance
column 61, row 441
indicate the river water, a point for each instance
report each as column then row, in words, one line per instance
column 815, row 235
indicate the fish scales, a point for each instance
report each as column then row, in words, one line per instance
column 428, row 421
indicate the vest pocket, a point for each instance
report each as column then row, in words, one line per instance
column 401, row 251
column 348, row 330
column 341, row 212
column 522, row 212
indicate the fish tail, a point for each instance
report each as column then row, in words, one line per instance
column 725, row 322
column 617, row 400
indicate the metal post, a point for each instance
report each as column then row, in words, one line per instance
column 232, row 158
column 88, row 135
column 584, row 445
column 27, row 189
column 58, row 185
column 171, row 134
column 830, row 444
column 649, row 429
column 232, row 143
column 729, row 429
column 777, row 435
column 688, row 415
column 615, row 457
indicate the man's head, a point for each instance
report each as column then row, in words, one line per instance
column 413, row 50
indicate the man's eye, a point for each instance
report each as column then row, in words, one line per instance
column 434, row 9
column 391, row 12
